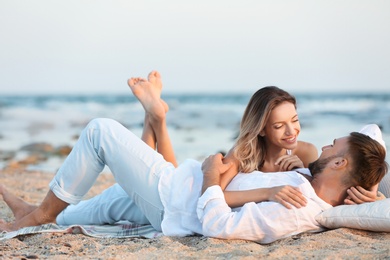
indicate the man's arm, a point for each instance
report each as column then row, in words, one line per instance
column 264, row 222
column 232, row 172
column 212, row 169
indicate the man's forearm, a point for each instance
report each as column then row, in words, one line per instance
column 209, row 180
column 212, row 169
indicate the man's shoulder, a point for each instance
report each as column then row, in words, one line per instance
column 305, row 171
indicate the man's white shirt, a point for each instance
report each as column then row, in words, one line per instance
column 186, row 212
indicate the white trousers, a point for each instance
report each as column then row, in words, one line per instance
column 136, row 167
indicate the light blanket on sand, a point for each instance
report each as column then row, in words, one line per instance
column 120, row 230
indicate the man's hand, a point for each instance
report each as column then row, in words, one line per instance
column 359, row 195
column 212, row 169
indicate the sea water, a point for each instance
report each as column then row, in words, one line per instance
column 199, row 124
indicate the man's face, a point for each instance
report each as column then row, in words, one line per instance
column 339, row 146
column 329, row 152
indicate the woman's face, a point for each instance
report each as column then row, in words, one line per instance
column 282, row 128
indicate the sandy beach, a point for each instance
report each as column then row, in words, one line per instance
column 32, row 186
column 27, row 165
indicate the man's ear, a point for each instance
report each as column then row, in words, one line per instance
column 339, row 162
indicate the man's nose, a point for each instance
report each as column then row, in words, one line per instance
column 325, row 147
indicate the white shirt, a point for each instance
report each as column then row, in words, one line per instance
column 186, row 212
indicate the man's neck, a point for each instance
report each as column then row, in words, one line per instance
column 329, row 189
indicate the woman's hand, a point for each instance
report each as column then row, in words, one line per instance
column 287, row 196
column 359, row 195
column 289, row 162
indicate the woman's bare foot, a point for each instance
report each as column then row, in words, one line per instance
column 148, row 93
column 19, row 207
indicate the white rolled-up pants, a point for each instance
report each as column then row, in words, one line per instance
column 136, row 167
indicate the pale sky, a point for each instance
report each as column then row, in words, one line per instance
column 79, row 46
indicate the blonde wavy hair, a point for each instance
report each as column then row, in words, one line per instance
column 249, row 148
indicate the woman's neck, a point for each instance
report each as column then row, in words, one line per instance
column 272, row 155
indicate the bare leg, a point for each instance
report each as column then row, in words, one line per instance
column 19, row 207
column 47, row 212
column 148, row 135
column 148, row 93
column 155, row 132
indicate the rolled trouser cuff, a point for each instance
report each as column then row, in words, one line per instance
column 62, row 194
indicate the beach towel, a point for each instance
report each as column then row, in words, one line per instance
column 120, row 230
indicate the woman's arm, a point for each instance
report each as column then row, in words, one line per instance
column 359, row 195
column 285, row 195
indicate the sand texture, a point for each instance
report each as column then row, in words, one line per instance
column 32, row 186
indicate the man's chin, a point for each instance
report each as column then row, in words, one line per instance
column 319, row 165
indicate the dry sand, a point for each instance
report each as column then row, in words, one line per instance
column 32, row 186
